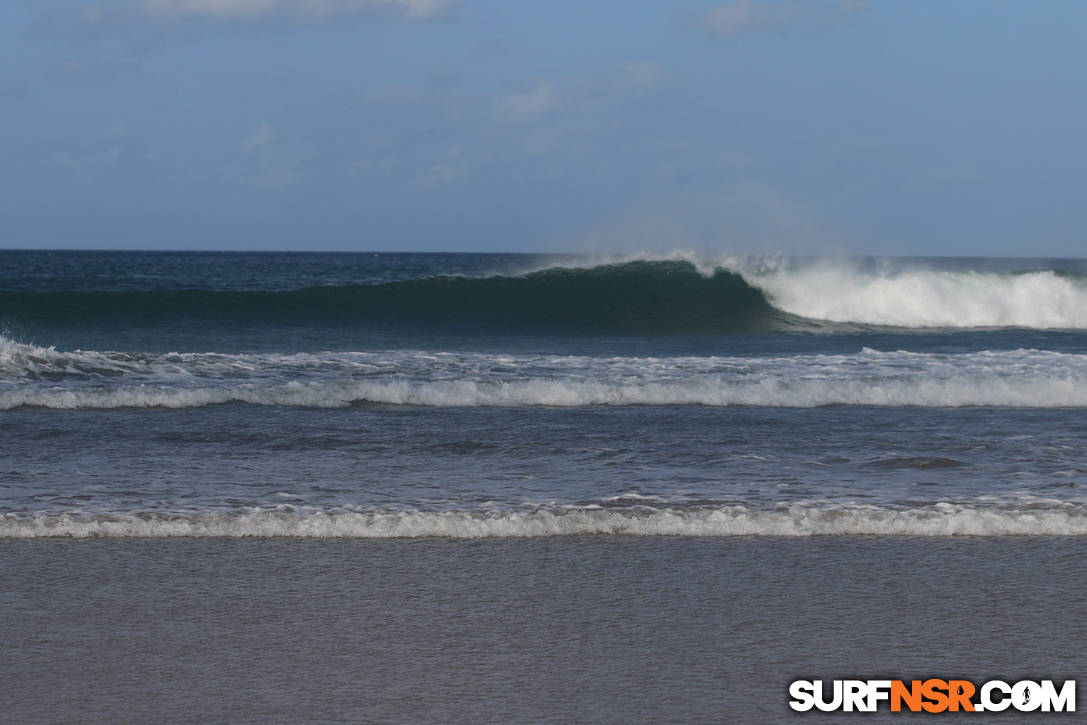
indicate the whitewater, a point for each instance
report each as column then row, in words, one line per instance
column 907, row 293
column 525, row 473
column 941, row 519
column 43, row 377
column 363, row 396
column 917, row 297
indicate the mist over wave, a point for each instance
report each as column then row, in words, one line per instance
column 940, row 519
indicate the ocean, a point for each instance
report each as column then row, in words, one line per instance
column 403, row 488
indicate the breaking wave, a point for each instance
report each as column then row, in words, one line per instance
column 920, row 297
column 637, row 297
column 676, row 294
column 772, row 393
column 43, row 377
column 941, row 519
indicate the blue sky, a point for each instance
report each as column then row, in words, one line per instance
column 815, row 126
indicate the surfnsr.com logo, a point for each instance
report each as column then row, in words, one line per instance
column 932, row 695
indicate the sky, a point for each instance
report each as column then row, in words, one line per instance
column 920, row 127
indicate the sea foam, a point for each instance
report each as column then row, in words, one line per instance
column 42, row 377
column 961, row 392
column 941, row 519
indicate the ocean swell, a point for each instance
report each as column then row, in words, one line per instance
column 643, row 295
column 637, row 297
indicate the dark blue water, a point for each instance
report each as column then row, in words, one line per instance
column 149, row 394
column 502, row 488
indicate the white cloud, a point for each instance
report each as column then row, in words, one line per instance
column 642, row 77
column 583, row 93
column 270, row 163
column 303, row 9
column 261, row 136
column 447, row 169
column 80, row 21
column 439, row 174
column 90, row 70
column 538, row 101
column 13, row 89
column 768, row 16
column 85, row 161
